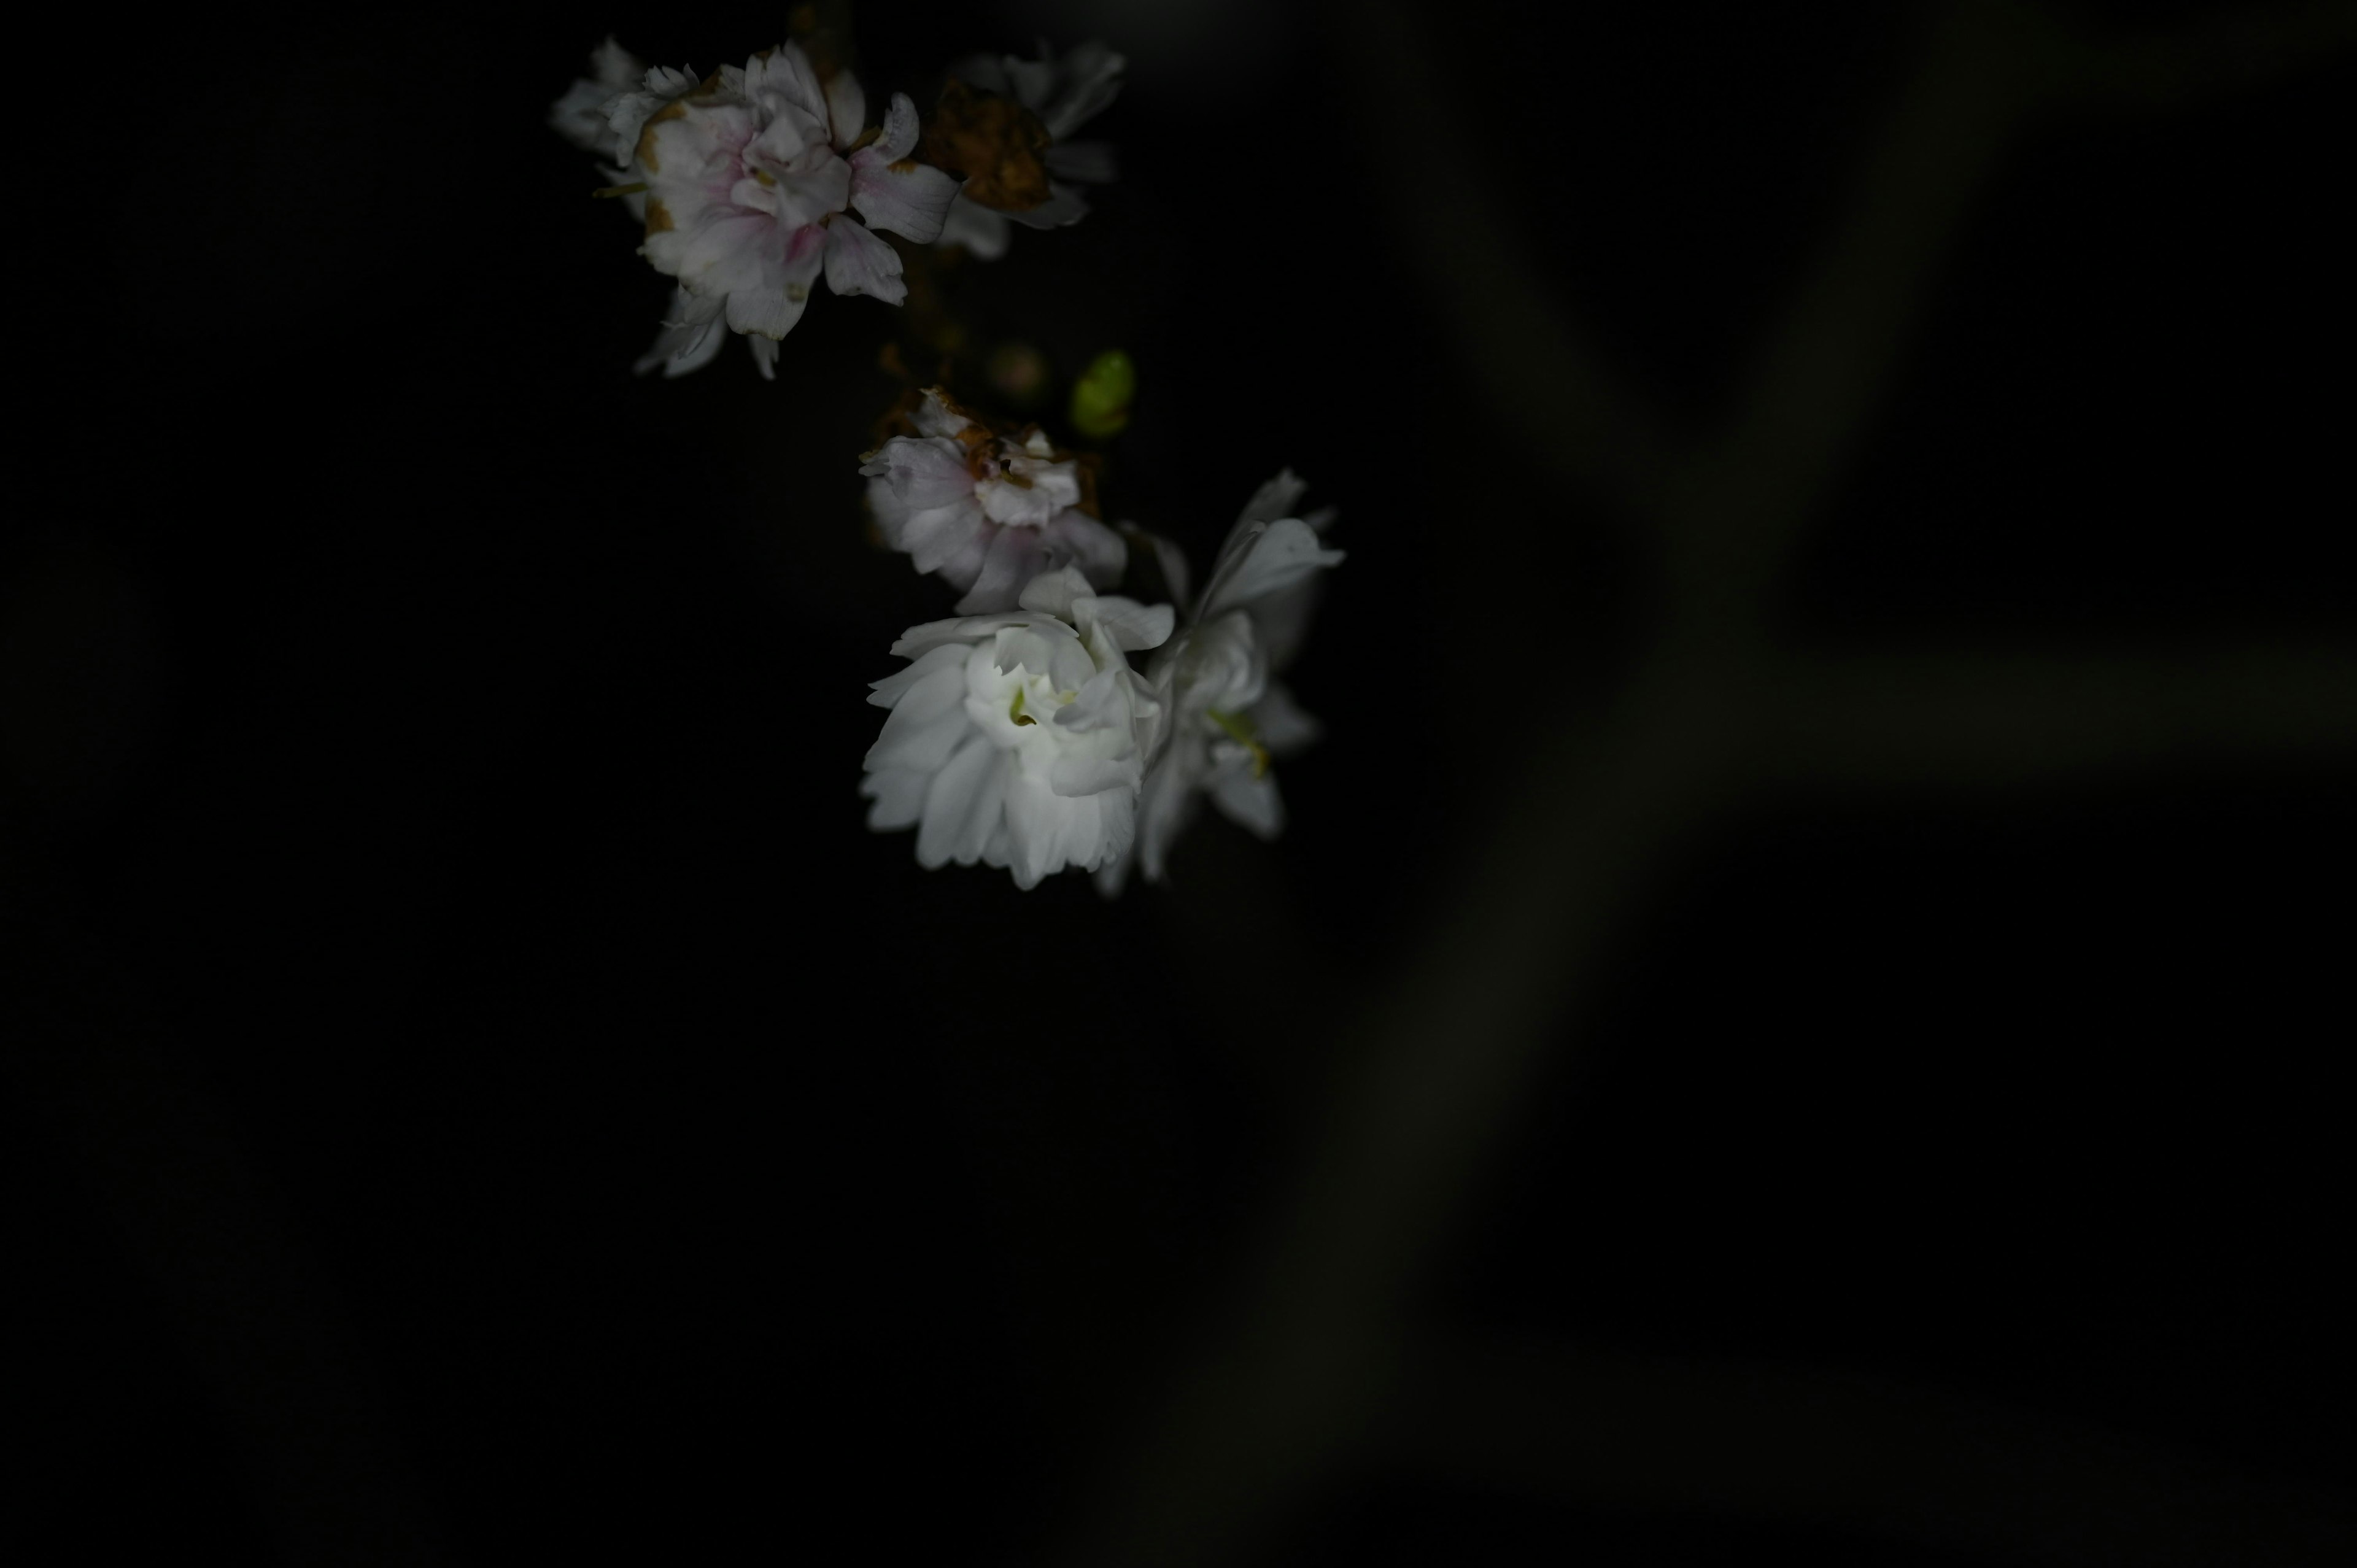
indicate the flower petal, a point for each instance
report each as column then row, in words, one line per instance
column 1249, row 800
column 911, row 199
column 900, row 797
column 847, row 107
column 1271, row 558
column 1015, row 556
column 859, row 262
column 982, row 232
column 897, row 138
column 962, row 804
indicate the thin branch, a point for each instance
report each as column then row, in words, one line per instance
column 1630, row 1433
column 1443, row 1057
column 1995, row 719
column 1500, row 311
column 1825, row 362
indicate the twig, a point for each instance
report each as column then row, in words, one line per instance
column 1993, row 719
column 1541, row 375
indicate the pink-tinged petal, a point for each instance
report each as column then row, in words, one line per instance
column 922, row 472
column 911, row 199
column 847, row 108
column 776, row 301
column 1015, row 557
column 951, row 542
column 787, row 135
column 859, row 262
column 785, row 74
column 1079, row 539
column 717, row 256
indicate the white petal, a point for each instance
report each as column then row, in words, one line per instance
column 888, row 692
column 1088, row 79
column 1133, row 626
column 1077, row 539
column 859, row 262
column 847, row 107
column 911, row 199
column 933, row 416
column 897, row 138
column 925, row 727
column 921, row 472
column 957, row 795
column 982, row 232
column 1167, row 805
column 691, row 334
column 918, row 640
column 785, row 74
column 1249, row 802
column 1015, row 558
column 1063, row 208
column 1052, row 593
column 1283, row 724
column 900, row 797
column 1274, row 557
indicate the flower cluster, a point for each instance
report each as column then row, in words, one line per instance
column 1024, row 739
column 749, row 178
column 1019, row 735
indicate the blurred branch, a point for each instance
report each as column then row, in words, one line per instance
column 1295, row 1372
column 1544, row 377
column 1810, row 394
column 1630, row 1433
column 1439, row 1062
column 1996, row 719
column 2236, row 48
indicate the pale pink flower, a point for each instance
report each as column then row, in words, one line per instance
column 751, row 179
column 988, row 512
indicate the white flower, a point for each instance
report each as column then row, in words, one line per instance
column 1227, row 717
column 988, row 512
column 1019, row 739
column 748, row 181
column 1063, row 95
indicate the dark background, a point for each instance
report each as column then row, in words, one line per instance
column 471, row 1069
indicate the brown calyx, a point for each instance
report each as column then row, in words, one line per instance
column 995, row 143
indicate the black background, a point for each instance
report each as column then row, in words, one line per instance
column 446, row 958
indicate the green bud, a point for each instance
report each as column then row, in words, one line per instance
column 1101, row 398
